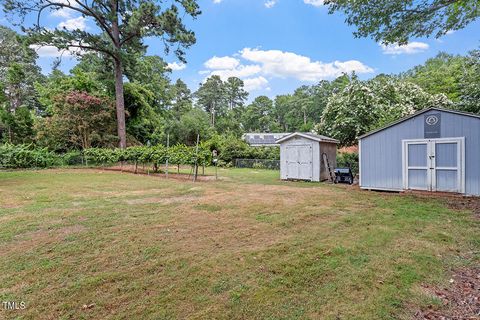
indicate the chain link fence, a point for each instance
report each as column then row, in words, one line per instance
column 257, row 164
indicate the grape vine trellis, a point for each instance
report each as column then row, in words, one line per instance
column 26, row 156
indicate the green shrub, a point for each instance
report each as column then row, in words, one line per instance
column 25, row 156
column 258, row 165
column 72, row 158
column 230, row 148
column 348, row 160
column 100, row 156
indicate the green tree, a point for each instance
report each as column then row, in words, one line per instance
column 18, row 70
column 235, row 93
column 441, row 74
column 182, row 99
column 300, row 111
column 396, row 21
column 150, row 72
column 230, row 122
column 57, row 83
column 350, row 113
column 98, row 68
column 259, row 115
column 282, row 106
column 303, row 104
column 144, row 122
column 123, row 24
column 185, row 129
column 79, row 121
column 366, row 105
column 211, row 97
column 17, row 127
column 470, row 84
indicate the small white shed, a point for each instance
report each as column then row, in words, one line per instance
column 301, row 156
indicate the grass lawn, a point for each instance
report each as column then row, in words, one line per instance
column 246, row 247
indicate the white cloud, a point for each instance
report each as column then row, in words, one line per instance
column 270, row 3
column 252, row 84
column 242, row 71
column 255, row 67
column 73, row 24
column 52, row 52
column 62, row 13
column 315, row 3
column 217, row 1
column 217, row 63
column 281, row 64
column 410, row 48
column 175, row 66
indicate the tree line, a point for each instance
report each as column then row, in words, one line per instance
column 117, row 95
column 77, row 111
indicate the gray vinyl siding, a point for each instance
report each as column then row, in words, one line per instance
column 381, row 152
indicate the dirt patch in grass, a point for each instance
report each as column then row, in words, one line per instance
column 460, row 299
column 171, row 174
column 70, row 230
column 452, row 200
column 245, row 219
column 29, row 241
column 162, row 200
column 10, row 206
column 464, row 203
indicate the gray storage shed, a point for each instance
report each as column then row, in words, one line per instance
column 432, row 150
column 301, row 156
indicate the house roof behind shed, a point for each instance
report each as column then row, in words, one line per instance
column 469, row 114
column 308, row 135
column 263, row 139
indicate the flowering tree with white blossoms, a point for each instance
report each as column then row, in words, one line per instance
column 366, row 105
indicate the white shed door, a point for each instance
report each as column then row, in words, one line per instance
column 435, row 165
column 299, row 162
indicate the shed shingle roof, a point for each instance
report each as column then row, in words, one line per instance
column 308, row 135
column 263, row 139
column 469, row 114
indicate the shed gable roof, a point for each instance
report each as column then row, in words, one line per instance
column 263, row 139
column 463, row 113
column 308, row 135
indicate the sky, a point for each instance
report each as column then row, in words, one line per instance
column 275, row 46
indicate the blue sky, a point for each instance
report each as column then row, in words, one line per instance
column 277, row 46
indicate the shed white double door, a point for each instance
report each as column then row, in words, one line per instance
column 434, row 165
column 299, row 162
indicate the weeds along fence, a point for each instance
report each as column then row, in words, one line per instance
column 258, row 164
column 26, row 156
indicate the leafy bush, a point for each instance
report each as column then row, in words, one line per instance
column 258, row 165
column 179, row 154
column 348, row 160
column 72, row 158
column 230, row 148
column 100, row 156
column 25, row 156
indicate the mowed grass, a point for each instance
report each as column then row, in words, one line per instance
column 245, row 247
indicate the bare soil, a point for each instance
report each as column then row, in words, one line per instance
column 460, row 298
column 466, row 203
column 171, row 174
